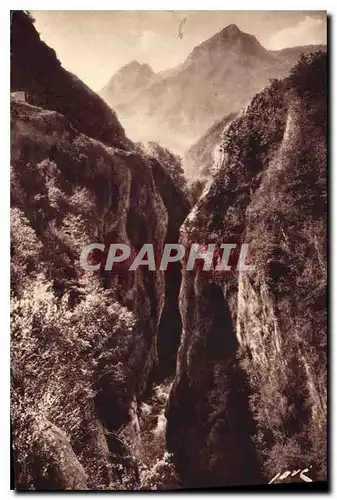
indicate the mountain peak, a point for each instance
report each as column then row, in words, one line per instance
column 232, row 39
column 133, row 66
column 231, row 30
column 133, row 76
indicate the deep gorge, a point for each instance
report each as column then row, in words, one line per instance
column 177, row 379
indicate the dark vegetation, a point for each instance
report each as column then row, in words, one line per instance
column 172, row 164
column 83, row 346
column 66, row 329
column 270, row 192
column 293, row 262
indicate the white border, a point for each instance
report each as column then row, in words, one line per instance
column 330, row 6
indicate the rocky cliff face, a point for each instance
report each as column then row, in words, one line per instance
column 84, row 344
column 69, row 190
column 249, row 397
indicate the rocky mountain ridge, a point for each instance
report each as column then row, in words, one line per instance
column 219, row 77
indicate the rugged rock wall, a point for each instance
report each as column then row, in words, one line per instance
column 249, row 398
column 71, row 190
column 84, row 344
column 169, row 331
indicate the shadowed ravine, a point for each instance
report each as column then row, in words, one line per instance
column 128, row 380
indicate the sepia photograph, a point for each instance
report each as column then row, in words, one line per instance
column 168, row 250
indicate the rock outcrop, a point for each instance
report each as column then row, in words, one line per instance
column 249, row 397
column 84, row 344
column 71, row 190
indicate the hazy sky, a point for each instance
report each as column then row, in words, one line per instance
column 95, row 44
